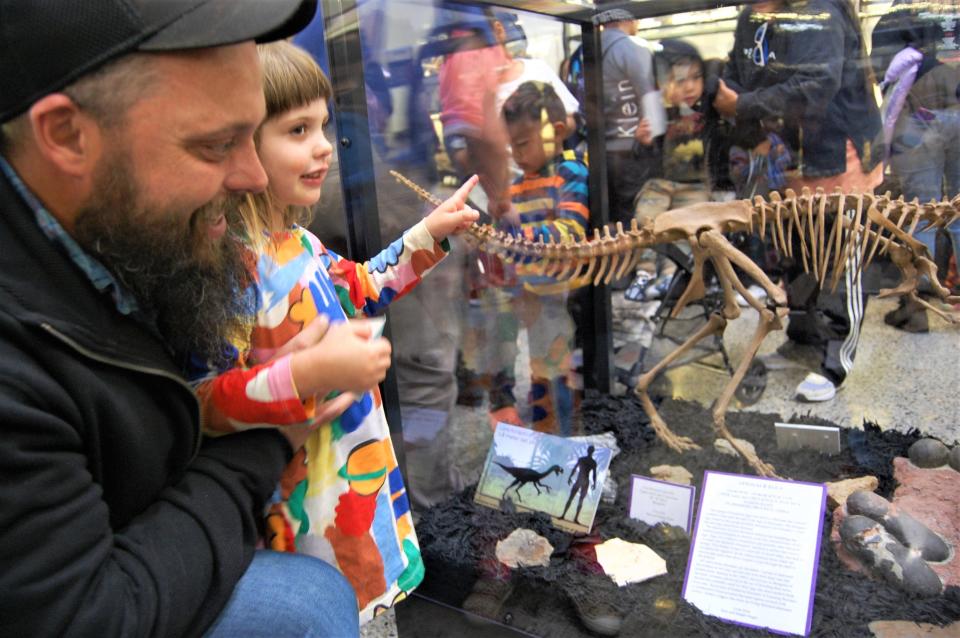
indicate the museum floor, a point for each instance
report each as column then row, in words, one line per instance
column 900, row 380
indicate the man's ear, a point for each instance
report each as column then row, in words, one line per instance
column 64, row 135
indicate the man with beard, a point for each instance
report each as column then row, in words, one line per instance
column 126, row 132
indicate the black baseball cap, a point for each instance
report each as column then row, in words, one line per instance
column 47, row 44
column 612, row 15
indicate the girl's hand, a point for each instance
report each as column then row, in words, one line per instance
column 325, row 412
column 453, row 216
column 345, row 359
column 310, row 335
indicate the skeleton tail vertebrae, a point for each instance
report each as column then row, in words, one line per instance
column 804, row 226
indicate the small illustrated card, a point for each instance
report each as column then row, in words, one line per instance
column 755, row 550
column 653, row 501
column 796, row 436
column 544, row 473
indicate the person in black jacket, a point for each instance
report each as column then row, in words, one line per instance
column 797, row 69
column 126, row 129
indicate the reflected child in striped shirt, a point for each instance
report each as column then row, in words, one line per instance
column 548, row 200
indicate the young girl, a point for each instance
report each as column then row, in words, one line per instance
column 342, row 497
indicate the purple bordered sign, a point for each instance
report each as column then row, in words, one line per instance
column 755, row 551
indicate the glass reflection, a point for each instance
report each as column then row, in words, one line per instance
column 437, row 77
column 729, row 103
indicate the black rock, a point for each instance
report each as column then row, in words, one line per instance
column 852, row 526
column 918, row 536
column 869, row 504
column 955, row 458
column 916, row 577
column 928, row 453
column 902, row 526
column 888, row 558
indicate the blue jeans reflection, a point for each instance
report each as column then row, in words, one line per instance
column 925, row 156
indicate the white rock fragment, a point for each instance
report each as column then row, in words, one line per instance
column 723, row 446
column 671, row 474
column 524, row 548
column 627, row 562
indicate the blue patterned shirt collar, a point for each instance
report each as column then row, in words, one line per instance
column 101, row 278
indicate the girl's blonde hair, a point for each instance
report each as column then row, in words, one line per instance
column 291, row 79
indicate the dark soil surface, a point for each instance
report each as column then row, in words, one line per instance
column 458, row 537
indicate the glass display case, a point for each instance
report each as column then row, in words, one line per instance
column 728, row 102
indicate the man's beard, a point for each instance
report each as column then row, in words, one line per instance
column 194, row 288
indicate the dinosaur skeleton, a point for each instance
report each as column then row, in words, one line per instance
column 866, row 225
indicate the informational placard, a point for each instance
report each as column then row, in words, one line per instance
column 755, row 550
column 653, row 501
column 796, row 436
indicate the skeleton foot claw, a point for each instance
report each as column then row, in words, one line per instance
column 762, row 468
column 678, row 443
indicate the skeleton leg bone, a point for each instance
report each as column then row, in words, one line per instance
column 946, row 316
column 769, row 321
column 696, row 288
column 720, row 245
column 715, row 325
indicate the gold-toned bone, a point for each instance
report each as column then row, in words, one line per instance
column 827, row 249
column 594, row 254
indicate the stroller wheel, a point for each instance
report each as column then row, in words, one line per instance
column 753, row 384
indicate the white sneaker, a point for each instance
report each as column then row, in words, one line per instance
column 816, row 387
column 635, row 291
column 756, row 291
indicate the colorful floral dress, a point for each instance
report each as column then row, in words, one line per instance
column 342, row 498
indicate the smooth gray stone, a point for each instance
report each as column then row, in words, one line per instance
column 955, row 458
column 888, row 558
column 868, row 504
column 902, row 526
column 928, row 453
column 918, row 536
column 916, row 577
column 853, row 525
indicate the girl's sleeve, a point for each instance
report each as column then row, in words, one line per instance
column 262, row 396
column 369, row 287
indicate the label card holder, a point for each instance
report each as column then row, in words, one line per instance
column 653, row 501
column 796, row 436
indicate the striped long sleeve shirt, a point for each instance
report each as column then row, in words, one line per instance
column 553, row 203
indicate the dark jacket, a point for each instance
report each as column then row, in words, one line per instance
column 115, row 520
column 805, row 79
